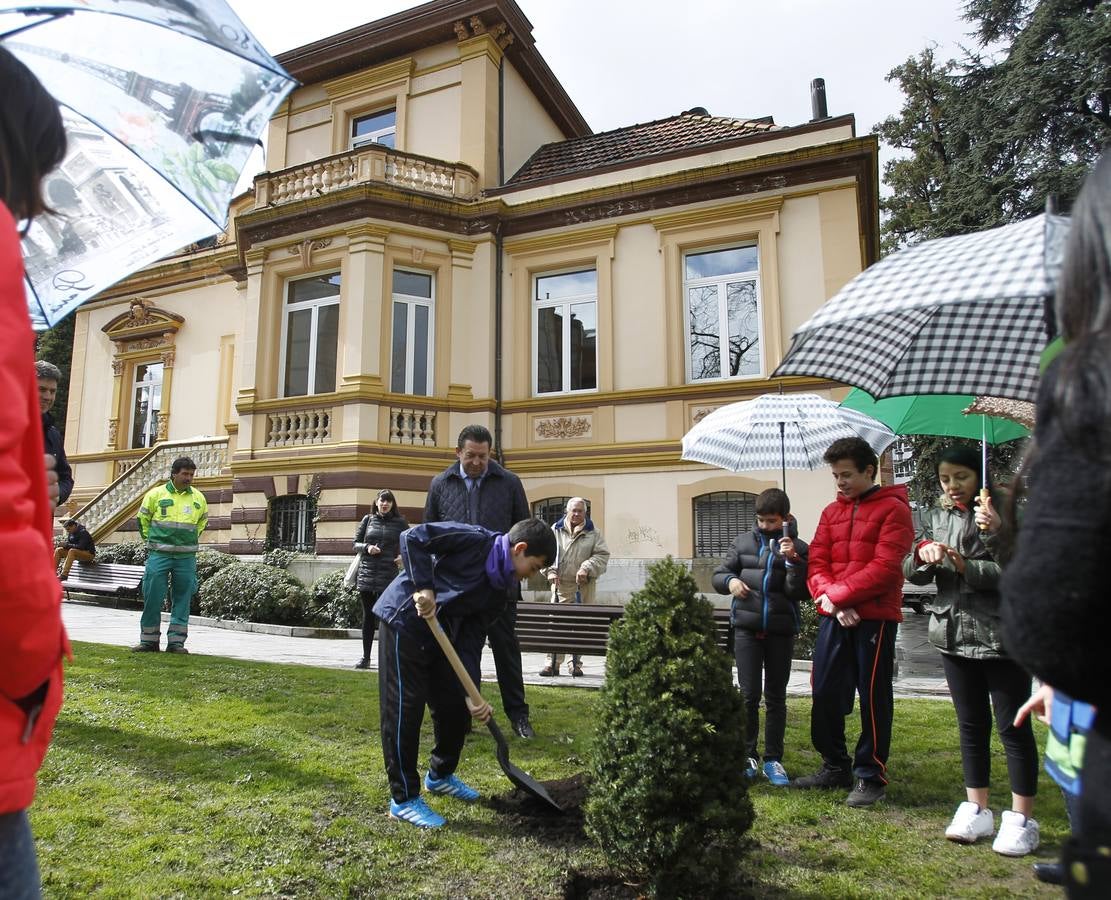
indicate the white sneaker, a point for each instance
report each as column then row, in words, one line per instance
column 1018, row 835
column 970, row 823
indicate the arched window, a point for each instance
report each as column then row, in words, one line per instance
column 719, row 518
column 292, row 523
column 551, row 509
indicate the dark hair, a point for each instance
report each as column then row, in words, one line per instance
column 963, row 455
column 386, row 494
column 32, row 138
column 538, row 535
column 1082, row 383
column 480, row 434
column 182, row 462
column 1078, row 381
column 773, row 502
column 855, row 449
column 47, row 370
column 69, row 522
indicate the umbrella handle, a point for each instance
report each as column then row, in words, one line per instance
column 984, row 497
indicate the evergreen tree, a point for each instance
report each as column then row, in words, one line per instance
column 987, row 137
column 668, row 801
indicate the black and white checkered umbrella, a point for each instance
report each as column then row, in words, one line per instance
column 958, row 315
column 778, row 431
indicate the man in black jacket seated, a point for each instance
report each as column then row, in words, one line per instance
column 478, row 491
column 49, row 375
column 78, row 546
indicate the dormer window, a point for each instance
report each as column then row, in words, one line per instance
column 377, row 128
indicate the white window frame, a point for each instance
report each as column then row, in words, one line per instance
column 314, row 335
column 372, row 137
column 136, row 383
column 721, row 282
column 566, row 303
column 411, row 303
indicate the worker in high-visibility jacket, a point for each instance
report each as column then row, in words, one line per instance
column 172, row 517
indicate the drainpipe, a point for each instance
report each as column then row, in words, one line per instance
column 498, row 269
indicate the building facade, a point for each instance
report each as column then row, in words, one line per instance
column 440, row 239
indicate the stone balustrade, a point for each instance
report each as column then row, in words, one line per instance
column 298, row 427
column 99, row 515
column 365, row 165
column 413, row 426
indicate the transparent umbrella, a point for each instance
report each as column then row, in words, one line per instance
column 163, row 102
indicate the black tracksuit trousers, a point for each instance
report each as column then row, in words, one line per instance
column 847, row 661
column 410, row 676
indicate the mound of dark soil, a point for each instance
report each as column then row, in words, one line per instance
column 525, row 812
column 529, row 813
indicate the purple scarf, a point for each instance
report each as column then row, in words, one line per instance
column 499, row 564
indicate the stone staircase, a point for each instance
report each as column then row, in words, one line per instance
column 120, row 500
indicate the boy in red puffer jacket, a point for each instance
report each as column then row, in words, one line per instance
column 856, row 579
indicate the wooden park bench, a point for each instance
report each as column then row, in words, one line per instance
column 584, row 629
column 108, row 579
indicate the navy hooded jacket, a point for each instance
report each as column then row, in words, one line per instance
column 449, row 558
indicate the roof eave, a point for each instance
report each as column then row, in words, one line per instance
column 423, row 26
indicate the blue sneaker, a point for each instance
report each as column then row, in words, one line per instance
column 775, row 773
column 416, row 812
column 452, row 786
column 752, row 769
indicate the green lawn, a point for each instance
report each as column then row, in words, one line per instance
column 199, row 776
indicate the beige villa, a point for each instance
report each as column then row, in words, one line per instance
column 440, row 239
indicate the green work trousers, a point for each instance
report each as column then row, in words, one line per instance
column 179, row 572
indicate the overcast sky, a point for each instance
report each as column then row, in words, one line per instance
column 629, row 61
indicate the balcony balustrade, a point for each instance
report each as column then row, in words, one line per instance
column 366, row 165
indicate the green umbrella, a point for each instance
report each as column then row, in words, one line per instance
column 941, row 414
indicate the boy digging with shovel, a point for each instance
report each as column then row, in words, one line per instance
column 460, row 574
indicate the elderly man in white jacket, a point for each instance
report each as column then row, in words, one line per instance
column 581, row 558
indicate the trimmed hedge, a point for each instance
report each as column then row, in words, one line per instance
column 254, row 592
column 132, row 553
column 333, row 605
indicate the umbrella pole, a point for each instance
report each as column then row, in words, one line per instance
column 783, row 453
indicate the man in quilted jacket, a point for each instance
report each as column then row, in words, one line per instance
column 856, row 580
column 477, row 491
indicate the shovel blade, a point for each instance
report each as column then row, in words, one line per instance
column 519, row 777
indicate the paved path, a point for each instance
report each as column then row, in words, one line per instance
column 919, row 667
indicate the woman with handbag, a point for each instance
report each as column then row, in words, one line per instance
column 378, row 545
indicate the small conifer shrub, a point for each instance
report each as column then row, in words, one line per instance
column 668, row 802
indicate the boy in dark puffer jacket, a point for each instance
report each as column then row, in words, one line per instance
column 766, row 575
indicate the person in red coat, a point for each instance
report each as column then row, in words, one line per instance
column 32, row 638
column 856, row 580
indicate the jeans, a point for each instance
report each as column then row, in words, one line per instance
column 766, row 659
column 19, row 867
column 977, row 686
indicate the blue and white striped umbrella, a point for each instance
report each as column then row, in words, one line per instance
column 779, row 431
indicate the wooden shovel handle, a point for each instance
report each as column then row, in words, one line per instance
column 456, row 663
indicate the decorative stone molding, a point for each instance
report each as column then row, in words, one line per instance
column 474, row 27
column 418, row 255
column 142, row 335
column 698, row 413
column 561, row 428
column 307, row 247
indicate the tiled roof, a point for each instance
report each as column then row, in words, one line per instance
column 687, row 131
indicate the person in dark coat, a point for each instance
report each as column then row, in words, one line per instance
column 1056, row 611
column 478, row 491
column 49, row 375
column 78, row 546
column 463, row 575
column 765, row 573
column 378, row 539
